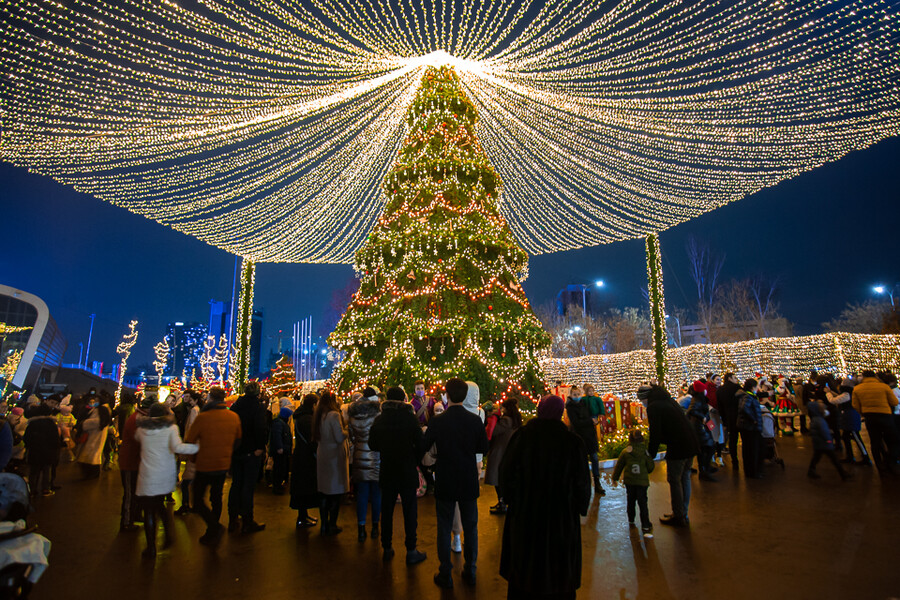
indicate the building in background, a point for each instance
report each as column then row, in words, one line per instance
column 256, row 329
column 31, row 345
column 574, row 295
column 220, row 319
column 185, row 347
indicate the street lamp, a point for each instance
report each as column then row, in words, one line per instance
column 678, row 322
column 599, row 283
column 880, row 289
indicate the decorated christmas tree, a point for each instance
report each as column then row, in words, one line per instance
column 283, row 381
column 439, row 294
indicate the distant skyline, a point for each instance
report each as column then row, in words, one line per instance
column 830, row 234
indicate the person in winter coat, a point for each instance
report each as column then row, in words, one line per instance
column 698, row 414
column 594, row 403
column 332, row 468
column 458, row 436
column 129, row 463
column 218, row 431
column 669, row 426
column 397, row 436
column 366, row 462
column 6, row 442
column 875, row 401
column 491, row 417
column 192, row 403
column 749, row 423
column 304, row 492
column 509, row 423
column 849, row 422
column 823, row 442
column 582, row 424
column 158, row 436
column 547, row 487
column 42, row 447
column 726, row 397
column 637, row 465
column 247, row 460
column 96, row 425
column 280, row 446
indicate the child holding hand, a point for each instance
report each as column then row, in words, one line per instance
column 637, row 465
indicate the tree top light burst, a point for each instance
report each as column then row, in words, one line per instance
column 266, row 127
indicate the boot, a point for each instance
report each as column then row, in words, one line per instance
column 168, row 529
column 150, row 534
column 598, row 489
column 375, row 530
column 361, row 533
column 333, row 516
column 325, row 528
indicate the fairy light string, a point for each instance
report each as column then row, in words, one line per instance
column 243, row 123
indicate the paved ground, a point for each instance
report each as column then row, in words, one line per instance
column 781, row 537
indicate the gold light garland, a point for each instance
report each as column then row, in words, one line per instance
column 124, row 348
column 242, row 123
column 838, row 353
column 161, row 351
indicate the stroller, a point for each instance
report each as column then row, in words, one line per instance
column 23, row 553
column 770, row 448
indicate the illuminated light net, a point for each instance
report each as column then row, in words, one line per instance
column 266, row 127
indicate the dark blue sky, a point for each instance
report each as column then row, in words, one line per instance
column 830, row 234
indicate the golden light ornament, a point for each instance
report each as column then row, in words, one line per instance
column 124, row 349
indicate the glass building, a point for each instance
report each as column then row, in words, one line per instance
column 31, row 345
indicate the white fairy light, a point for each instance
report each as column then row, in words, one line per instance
column 266, row 128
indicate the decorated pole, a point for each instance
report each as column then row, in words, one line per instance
column 657, row 306
column 124, row 348
column 245, row 315
column 162, row 358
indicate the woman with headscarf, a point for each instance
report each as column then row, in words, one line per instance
column 546, row 485
column 95, row 427
column 332, row 467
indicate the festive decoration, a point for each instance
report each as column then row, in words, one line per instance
column 657, row 305
column 245, row 314
column 162, row 358
column 435, row 299
column 243, row 123
column 838, row 353
column 9, row 367
column 221, row 358
column 283, row 381
column 208, row 358
column 124, row 348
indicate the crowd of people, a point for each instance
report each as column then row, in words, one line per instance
column 386, row 447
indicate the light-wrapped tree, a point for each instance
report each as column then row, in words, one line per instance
column 440, row 292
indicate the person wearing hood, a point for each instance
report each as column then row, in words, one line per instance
column 458, row 436
column 129, row 463
column 749, row 424
column 247, row 460
column 218, row 431
column 42, row 446
column 698, row 414
column 823, row 441
column 366, row 462
column 669, row 426
column 304, row 492
column 509, row 423
column 546, row 485
column 280, row 446
column 96, row 425
column 397, row 436
column 637, row 465
column 158, row 436
column 582, row 424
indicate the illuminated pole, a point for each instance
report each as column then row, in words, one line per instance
column 124, row 348
column 162, row 358
column 90, row 333
column 657, row 306
column 245, row 314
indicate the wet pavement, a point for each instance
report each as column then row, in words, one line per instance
column 784, row 536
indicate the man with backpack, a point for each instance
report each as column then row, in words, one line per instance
column 749, row 424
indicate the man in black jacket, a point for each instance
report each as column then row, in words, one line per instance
column 582, row 424
column 247, row 460
column 728, row 408
column 458, row 436
column 397, row 436
column 669, row 426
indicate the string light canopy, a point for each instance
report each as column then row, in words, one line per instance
column 266, row 128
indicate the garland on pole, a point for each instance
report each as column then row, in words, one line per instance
column 124, row 348
column 657, row 306
column 162, row 358
column 245, row 314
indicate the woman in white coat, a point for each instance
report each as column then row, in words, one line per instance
column 332, row 456
column 158, row 436
column 96, row 428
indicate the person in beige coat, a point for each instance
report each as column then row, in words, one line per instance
column 332, row 465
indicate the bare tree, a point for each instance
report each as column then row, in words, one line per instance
column 762, row 292
column 706, row 266
column 868, row 317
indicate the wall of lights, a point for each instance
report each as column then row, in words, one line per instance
column 244, row 123
column 244, row 329
column 838, row 353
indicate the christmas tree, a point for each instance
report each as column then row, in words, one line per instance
column 283, row 381
column 439, row 295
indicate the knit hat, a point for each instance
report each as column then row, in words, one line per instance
column 284, row 401
column 18, row 410
column 699, row 387
column 370, row 393
column 285, row 413
column 551, row 407
column 395, row 393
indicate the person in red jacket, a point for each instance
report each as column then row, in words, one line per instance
column 129, row 461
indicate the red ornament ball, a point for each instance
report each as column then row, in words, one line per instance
column 490, row 307
column 503, row 354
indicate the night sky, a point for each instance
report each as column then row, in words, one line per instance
column 830, row 234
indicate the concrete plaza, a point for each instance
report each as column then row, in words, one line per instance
column 784, row 536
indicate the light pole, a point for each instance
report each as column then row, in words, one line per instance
column 677, row 322
column 880, row 289
column 90, row 333
column 599, row 283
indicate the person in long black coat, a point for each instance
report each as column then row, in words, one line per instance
column 397, row 436
column 42, row 443
column 304, row 488
column 547, row 486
